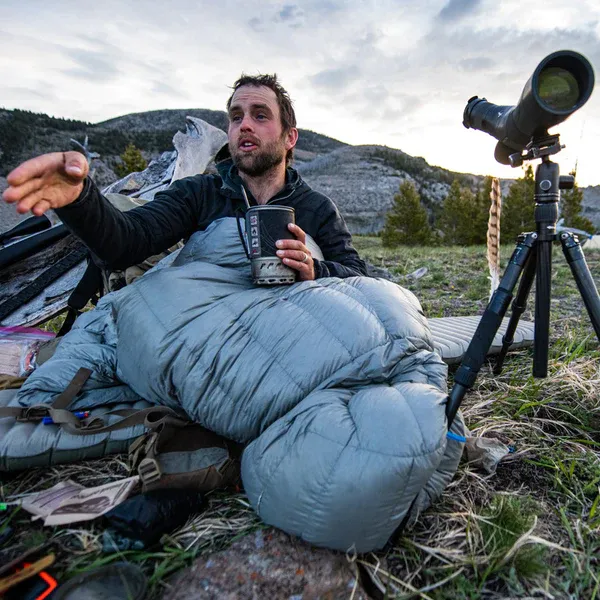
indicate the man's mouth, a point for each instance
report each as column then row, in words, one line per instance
column 247, row 145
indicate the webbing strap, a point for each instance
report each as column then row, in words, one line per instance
column 56, row 410
column 75, row 385
column 88, row 289
column 151, row 418
column 11, row 411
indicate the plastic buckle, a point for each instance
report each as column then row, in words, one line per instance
column 142, row 446
column 149, row 471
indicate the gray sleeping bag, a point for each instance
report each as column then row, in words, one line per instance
column 333, row 384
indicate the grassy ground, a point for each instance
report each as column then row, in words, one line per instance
column 531, row 530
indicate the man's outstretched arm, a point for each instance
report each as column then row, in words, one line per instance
column 58, row 181
column 121, row 239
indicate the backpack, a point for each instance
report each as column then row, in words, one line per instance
column 174, row 452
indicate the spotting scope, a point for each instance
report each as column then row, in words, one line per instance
column 560, row 85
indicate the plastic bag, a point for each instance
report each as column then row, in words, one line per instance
column 485, row 453
column 140, row 521
column 18, row 349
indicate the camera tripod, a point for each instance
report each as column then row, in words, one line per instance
column 532, row 258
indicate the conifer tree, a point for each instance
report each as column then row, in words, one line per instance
column 481, row 212
column 132, row 161
column 518, row 207
column 463, row 219
column 406, row 222
column 571, row 203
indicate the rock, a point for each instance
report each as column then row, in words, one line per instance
column 362, row 188
column 591, row 205
column 194, row 151
column 267, row 564
column 9, row 216
column 197, row 147
column 373, row 271
column 102, row 174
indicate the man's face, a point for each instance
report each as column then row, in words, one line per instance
column 257, row 142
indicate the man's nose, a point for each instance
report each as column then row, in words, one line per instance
column 246, row 123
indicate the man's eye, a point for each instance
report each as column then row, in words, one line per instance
column 235, row 118
column 261, row 116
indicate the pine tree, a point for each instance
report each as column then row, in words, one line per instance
column 464, row 216
column 482, row 212
column 132, row 161
column 452, row 215
column 571, row 205
column 518, row 207
column 406, row 222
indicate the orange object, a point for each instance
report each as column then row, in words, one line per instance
column 52, row 584
column 25, row 575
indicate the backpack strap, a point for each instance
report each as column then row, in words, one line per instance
column 89, row 288
column 173, row 452
column 64, row 399
column 37, row 412
column 151, row 418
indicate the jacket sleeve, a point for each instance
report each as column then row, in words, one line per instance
column 121, row 239
column 335, row 241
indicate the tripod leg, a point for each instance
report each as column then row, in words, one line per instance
column 581, row 273
column 488, row 326
column 517, row 309
column 542, row 305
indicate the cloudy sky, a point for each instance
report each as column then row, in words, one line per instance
column 396, row 73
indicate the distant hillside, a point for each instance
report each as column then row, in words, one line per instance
column 362, row 180
column 24, row 134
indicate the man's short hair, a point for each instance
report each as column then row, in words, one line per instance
column 286, row 109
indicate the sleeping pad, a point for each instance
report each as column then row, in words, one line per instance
column 333, row 385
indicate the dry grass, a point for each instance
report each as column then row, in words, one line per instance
column 531, row 530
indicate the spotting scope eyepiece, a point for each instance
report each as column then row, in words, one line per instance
column 561, row 84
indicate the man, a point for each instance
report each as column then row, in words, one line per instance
column 262, row 134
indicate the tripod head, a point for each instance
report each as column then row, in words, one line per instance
column 538, row 147
column 543, row 147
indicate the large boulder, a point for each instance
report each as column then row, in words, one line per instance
column 267, row 564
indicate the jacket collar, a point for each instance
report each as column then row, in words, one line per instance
column 232, row 182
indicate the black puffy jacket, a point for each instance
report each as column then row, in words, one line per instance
column 121, row 239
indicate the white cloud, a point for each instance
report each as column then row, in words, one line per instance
column 377, row 71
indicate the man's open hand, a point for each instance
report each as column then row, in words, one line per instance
column 296, row 255
column 48, row 181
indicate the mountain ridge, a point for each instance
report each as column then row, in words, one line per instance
column 362, row 180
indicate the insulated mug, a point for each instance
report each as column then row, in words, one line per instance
column 264, row 226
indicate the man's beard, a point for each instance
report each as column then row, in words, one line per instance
column 259, row 162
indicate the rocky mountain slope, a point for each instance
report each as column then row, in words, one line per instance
column 591, row 204
column 362, row 180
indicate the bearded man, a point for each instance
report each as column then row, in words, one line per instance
column 262, row 135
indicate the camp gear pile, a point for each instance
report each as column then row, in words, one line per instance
column 333, row 385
